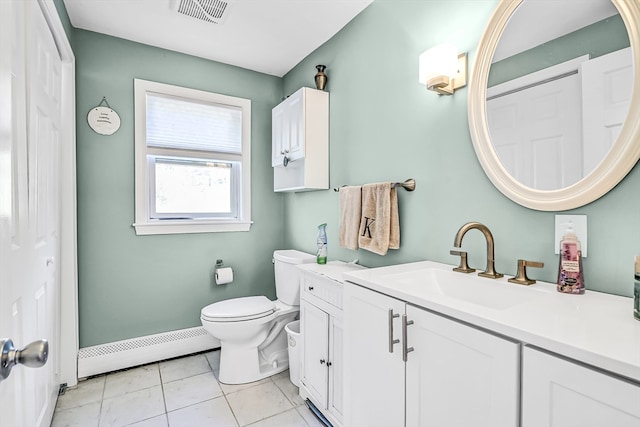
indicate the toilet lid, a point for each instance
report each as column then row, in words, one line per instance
column 236, row 309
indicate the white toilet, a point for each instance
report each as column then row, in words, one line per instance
column 251, row 329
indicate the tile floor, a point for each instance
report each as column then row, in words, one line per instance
column 182, row 392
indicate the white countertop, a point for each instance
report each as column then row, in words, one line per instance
column 333, row 270
column 594, row 328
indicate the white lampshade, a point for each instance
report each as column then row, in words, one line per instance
column 441, row 60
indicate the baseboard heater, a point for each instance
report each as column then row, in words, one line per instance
column 117, row 355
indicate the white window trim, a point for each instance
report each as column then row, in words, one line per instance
column 146, row 226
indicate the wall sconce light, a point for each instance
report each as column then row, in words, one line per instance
column 442, row 69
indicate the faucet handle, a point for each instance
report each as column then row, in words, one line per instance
column 463, row 267
column 521, row 277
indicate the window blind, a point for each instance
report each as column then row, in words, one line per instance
column 174, row 122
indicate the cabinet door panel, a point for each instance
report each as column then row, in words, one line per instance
column 315, row 332
column 279, row 134
column 336, row 369
column 374, row 377
column 295, row 120
column 458, row 375
column 559, row 393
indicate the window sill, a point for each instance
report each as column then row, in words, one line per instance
column 187, row 227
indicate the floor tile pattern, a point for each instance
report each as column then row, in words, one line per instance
column 182, row 392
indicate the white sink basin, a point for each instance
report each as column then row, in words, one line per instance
column 438, row 283
column 497, row 294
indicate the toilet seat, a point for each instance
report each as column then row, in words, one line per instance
column 238, row 309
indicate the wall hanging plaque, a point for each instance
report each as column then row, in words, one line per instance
column 103, row 119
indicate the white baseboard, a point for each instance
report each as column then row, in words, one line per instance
column 117, row 355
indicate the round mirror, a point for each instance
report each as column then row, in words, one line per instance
column 554, row 116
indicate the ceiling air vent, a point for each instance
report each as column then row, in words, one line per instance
column 214, row 11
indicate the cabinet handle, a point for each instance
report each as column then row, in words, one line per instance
column 285, row 161
column 322, row 361
column 329, row 363
column 405, row 350
column 391, row 340
column 310, row 288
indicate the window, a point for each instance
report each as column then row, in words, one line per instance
column 193, row 160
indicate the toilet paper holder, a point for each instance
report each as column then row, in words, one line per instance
column 219, row 264
column 222, row 275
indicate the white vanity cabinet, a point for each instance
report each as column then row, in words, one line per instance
column 408, row 366
column 300, row 141
column 321, row 370
column 558, row 392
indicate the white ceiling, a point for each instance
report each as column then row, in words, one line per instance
column 535, row 22
column 268, row 36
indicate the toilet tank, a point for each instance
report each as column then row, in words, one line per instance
column 287, row 275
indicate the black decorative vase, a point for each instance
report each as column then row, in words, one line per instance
column 320, row 77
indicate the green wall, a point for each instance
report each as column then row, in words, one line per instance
column 600, row 38
column 64, row 18
column 138, row 285
column 386, row 127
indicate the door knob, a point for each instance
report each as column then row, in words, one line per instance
column 33, row 355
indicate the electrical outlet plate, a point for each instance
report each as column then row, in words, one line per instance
column 579, row 225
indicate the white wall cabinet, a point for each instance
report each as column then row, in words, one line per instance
column 408, row 366
column 560, row 393
column 300, row 141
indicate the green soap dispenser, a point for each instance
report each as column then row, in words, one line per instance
column 321, row 255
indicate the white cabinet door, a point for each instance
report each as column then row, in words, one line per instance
column 458, row 375
column 559, row 393
column 315, row 331
column 336, row 370
column 287, row 129
column 374, row 375
column 295, row 121
column 279, row 134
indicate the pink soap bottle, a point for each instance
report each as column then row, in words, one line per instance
column 570, row 273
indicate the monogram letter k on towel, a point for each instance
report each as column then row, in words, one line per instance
column 379, row 224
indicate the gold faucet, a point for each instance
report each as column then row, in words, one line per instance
column 490, row 271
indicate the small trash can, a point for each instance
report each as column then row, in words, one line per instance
column 293, row 337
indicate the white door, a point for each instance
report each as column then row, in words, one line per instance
column 374, row 380
column 536, row 128
column 315, row 330
column 31, row 81
column 458, row 375
column 607, row 85
column 559, row 393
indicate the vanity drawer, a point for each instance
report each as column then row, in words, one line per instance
column 323, row 288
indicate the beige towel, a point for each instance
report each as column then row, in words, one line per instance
column 350, row 212
column 379, row 225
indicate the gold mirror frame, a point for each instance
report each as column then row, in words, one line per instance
column 612, row 169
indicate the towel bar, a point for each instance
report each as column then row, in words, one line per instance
column 409, row 185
